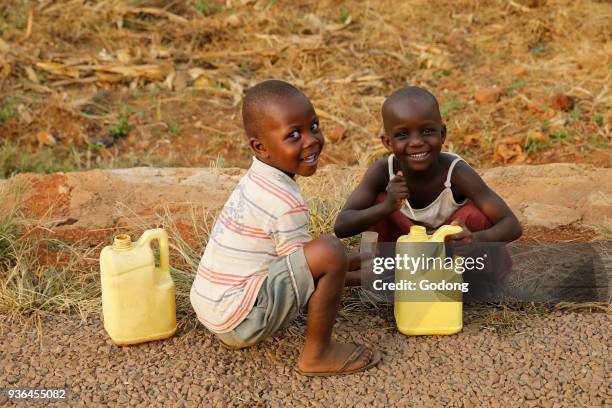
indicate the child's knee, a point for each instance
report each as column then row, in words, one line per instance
column 333, row 250
column 329, row 250
column 472, row 216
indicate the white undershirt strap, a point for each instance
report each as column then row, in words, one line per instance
column 447, row 183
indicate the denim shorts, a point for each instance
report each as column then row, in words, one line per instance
column 283, row 294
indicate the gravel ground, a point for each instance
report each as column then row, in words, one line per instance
column 560, row 359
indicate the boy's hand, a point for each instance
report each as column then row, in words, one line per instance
column 464, row 237
column 397, row 191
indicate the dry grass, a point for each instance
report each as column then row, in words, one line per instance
column 39, row 274
column 604, row 230
column 167, row 76
column 15, row 159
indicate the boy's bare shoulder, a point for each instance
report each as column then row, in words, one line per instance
column 466, row 179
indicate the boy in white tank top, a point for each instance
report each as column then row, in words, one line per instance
column 419, row 185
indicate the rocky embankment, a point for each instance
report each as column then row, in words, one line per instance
column 95, row 203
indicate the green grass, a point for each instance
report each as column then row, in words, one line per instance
column 203, row 6
column 174, row 129
column 8, row 234
column 345, row 16
column 6, row 109
column 598, row 119
column 576, row 113
column 21, row 22
column 221, row 85
column 122, row 128
column 15, row 159
column 535, row 146
column 206, row 8
column 559, row 135
column 449, row 107
column 516, row 85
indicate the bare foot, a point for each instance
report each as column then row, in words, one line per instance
column 333, row 358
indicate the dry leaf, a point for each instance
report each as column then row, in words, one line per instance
column 519, row 71
column 232, row 21
column 337, row 133
column 195, row 73
column 31, row 74
column 25, row 116
column 169, row 81
column 562, row 102
column 505, row 153
column 473, row 139
column 46, row 138
column 4, row 47
column 124, row 56
column 512, row 140
column 105, row 77
column 536, row 136
column 487, row 95
column 180, row 81
column 549, row 114
column 5, row 69
column 28, row 32
column 59, row 69
column 202, row 83
column 536, row 105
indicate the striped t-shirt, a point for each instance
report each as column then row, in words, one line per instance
column 264, row 218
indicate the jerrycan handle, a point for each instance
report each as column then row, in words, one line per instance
column 162, row 237
column 444, row 231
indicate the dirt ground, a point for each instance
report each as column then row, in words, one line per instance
column 557, row 360
column 159, row 83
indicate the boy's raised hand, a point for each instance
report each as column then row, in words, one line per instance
column 397, row 191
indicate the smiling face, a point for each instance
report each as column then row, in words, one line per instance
column 414, row 131
column 288, row 136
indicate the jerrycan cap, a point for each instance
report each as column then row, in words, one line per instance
column 418, row 232
column 122, row 242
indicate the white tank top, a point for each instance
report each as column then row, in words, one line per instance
column 436, row 213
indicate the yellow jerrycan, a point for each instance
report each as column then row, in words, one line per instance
column 422, row 311
column 138, row 301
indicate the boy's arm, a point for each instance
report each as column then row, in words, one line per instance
column 506, row 226
column 359, row 213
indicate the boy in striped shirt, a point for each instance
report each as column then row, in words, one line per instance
column 260, row 266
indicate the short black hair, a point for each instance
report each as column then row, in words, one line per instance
column 410, row 92
column 257, row 97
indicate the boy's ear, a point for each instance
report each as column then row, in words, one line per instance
column 443, row 132
column 258, row 147
column 386, row 142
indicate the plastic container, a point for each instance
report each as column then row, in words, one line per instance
column 427, row 312
column 138, row 301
